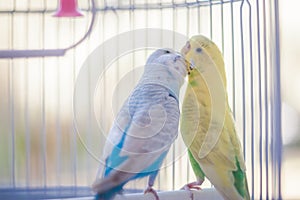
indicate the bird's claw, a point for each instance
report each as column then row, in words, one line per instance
column 192, row 186
column 151, row 190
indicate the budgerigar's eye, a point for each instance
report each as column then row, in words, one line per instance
column 199, row 50
column 168, row 51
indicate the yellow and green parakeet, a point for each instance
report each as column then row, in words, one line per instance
column 207, row 124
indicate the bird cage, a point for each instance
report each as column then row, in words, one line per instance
column 63, row 78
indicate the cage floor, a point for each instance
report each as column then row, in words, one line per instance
column 85, row 193
column 44, row 193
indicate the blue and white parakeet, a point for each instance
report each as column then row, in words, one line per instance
column 145, row 127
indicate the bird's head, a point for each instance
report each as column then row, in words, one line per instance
column 202, row 53
column 168, row 58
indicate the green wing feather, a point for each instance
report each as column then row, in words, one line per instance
column 240, row 181
column 196, row 167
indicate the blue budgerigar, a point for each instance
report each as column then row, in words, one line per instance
column 145, row 127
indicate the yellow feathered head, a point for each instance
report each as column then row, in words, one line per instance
column 202, row 53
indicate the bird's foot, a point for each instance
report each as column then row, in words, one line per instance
column 151, row 190
column 190, row 186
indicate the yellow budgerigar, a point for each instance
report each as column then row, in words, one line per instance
column 207, row 124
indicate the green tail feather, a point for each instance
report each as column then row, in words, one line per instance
column 240, row 181
column 196, row 167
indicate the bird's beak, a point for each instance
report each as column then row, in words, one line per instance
column 184, row 51
column 186, row 48
column 184, row 61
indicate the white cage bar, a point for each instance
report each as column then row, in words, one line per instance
column 41, row 152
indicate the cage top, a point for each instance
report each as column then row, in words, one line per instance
column 164, row 4
column 126, row 5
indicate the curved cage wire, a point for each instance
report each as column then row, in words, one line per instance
column 42, row 152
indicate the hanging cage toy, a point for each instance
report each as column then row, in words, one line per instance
column 67, row 8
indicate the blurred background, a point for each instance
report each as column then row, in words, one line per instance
column 39, row 143
column 290, row 85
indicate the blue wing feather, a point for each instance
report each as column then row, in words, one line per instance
column 118, row 161
column 114, row 160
